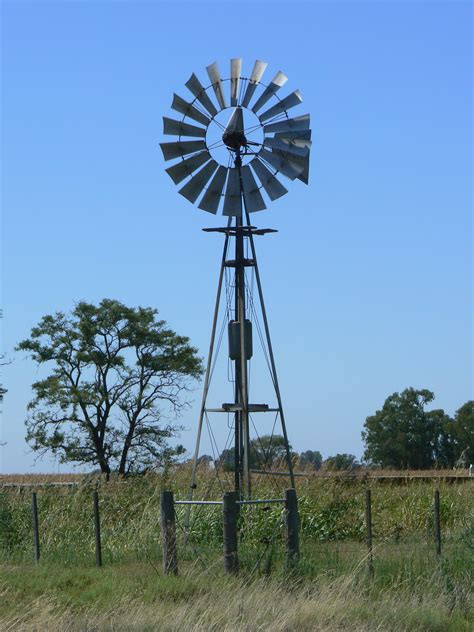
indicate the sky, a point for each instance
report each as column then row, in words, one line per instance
column 367, row 282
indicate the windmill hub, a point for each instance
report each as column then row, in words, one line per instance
column 234, row 139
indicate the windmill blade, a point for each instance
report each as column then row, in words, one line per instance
column 257, row 74
column 272, row 185
column 282, row 106
column 182, row 106
column 277, row 143
column 233, row 197
column 297, row 139
column 181, row 148
column 303, row 164
column 252, row 196
column 186, row 167
column 277, row 82
column 197, row 89
column 235, row 70
column 195, row 186
column 216, row 81
column 282, row 163
column 299, row 123
column 212, row 197
column 178, row 128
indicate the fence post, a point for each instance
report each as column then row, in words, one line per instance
column 437, row 522
column 98, row 547
column 34, row 510
column 231, row 560
column 168, row 534
column 368, row 523
column 292, row 528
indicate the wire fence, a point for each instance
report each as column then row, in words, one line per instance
column 87, row 526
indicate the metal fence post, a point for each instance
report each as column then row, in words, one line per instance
column 168, row 534
column 231, row 560
column 292, row 528
column 34, row 510
column 98, row 547
column 368, row 523
column 437, row 522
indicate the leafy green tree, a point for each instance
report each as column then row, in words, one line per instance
column 117, row 376
column 341, row 462
column 268, row 451
column 311, row 459
column 462, row 431
column 404, row 435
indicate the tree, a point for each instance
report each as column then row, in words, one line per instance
column 311, row 459
column 341, row 462
column 116, row 374
column 462, row 431
column 404, row 435
column 268, row 451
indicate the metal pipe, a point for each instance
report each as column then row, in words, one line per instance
column 208, row 372
column 261, row 502
column 270, row 351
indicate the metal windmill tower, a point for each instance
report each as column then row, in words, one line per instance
column 229, row 159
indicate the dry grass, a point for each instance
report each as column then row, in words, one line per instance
column 232, row 604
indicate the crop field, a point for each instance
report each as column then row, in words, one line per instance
column 411, row 587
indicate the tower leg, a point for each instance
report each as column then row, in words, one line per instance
column 207, row 375
column 270, row 353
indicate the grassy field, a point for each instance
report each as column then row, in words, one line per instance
column 411, row 589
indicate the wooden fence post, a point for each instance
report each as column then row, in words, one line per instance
column 98, row 547
column 292, row 528
column 231, row 560
column 34, row 510
column 437, row 522
column 168, row 534
column 368, row 523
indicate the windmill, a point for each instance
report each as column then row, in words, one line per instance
column 234, row 138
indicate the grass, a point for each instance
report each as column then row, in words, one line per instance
column 136, row 596
column 411, row 588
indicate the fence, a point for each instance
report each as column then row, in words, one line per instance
column 230, row 510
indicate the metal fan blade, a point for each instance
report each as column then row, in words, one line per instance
column 299, row 123
column 186, row 167
column 182, row 148
column 195, row 186
column 182, row 106
column 297, row 139
column 302, row 163
column 277, row 82
column 233, row 197
column 235, row 70
column 257, row 74
column 252, row 196
column 212, row 197
column 285, row 104
column 272, row 186
column 285, row 166
column 178, row 128
column 197, row 89
column 277, row 143
column 215, row 77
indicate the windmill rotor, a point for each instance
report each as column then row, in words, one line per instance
column 235, row 139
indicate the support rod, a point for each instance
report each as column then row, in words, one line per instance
column 270, row 351
column 207, row 378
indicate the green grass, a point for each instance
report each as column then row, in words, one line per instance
column 411, row 588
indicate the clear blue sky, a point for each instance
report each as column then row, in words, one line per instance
column 368, row 279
